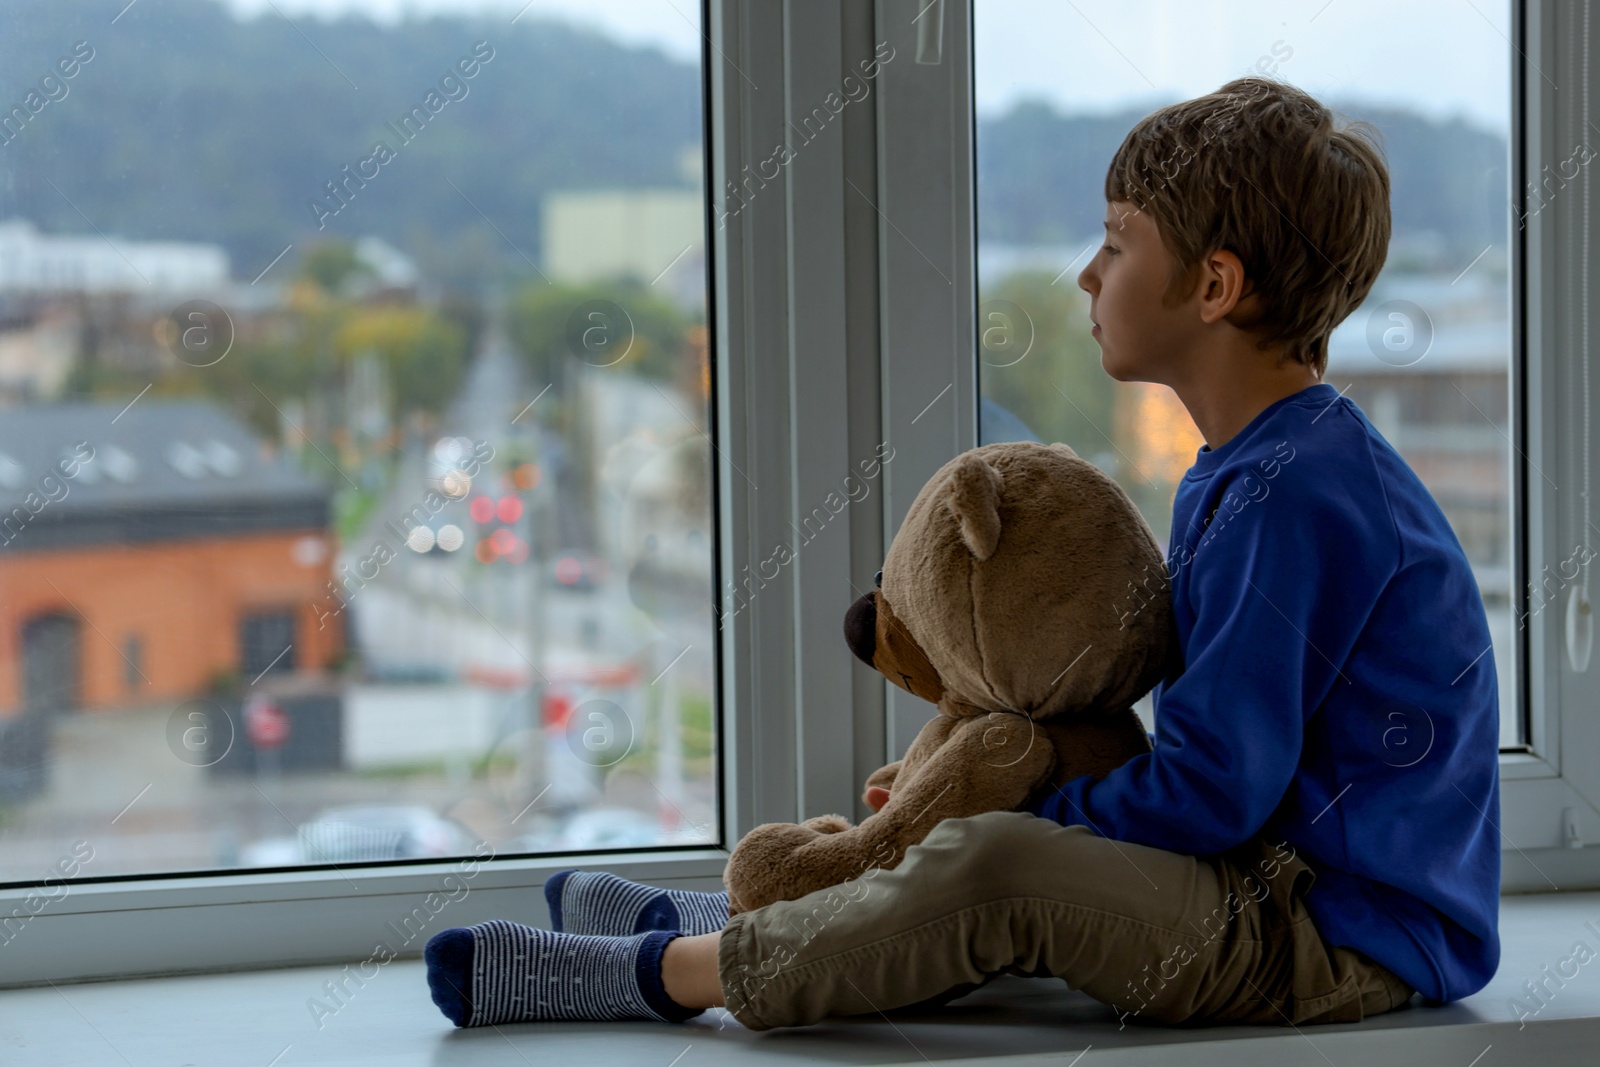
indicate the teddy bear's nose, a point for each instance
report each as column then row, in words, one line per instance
column 861, row 628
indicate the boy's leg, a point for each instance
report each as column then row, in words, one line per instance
column 1157, row 935
column 595, row 902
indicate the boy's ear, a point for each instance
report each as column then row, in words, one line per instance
column 1224, row 288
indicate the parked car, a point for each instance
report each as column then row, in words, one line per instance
column 365, row 833
column 597, row 829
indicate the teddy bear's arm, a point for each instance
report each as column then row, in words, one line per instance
column 923, row 746
column 986, row 763
column 884, row 776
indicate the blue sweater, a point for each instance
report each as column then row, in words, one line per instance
column 1337, row 690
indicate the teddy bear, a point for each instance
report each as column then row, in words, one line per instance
column 1026, row 597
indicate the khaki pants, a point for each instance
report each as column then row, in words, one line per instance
column 1158, row 936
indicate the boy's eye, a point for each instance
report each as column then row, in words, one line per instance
column 1108, row 248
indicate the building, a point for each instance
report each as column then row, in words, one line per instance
column 654, row 235
column 147, row 553
column 38, row 349
column 1429, row 361
column 32, row 262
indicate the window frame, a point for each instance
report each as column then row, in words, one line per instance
column 1549, row 793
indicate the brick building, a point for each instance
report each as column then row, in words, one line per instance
column 145, row 555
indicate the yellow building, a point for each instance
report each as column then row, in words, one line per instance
column 646, row 233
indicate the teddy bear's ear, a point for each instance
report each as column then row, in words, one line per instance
column 974, row 499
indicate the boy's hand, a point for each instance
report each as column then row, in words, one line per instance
column 876, row 797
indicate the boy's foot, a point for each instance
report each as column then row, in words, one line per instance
column 583, row 902
column 504, row 972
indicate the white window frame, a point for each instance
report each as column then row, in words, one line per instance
column 843, row 305
column 1549, row 795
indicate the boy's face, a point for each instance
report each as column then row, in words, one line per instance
column 1141, row 339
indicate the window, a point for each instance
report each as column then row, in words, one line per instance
column 1429, row 354
column 827, row 317
column 133, row 655
column 356, row 464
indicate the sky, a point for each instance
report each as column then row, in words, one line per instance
column 1442, row 57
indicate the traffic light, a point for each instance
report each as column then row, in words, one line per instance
column 499, row 528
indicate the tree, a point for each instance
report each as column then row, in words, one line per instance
column 424, row 353
column 615, row 324
column 1038, row 360
column 332, row 265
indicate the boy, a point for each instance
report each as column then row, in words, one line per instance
column 1313, row 838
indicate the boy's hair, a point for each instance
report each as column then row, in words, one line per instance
column 1259, row 168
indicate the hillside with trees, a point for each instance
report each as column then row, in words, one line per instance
column 231, row 135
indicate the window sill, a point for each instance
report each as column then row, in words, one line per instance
column 252, row 1017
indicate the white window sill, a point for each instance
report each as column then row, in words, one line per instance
column 250, row 1018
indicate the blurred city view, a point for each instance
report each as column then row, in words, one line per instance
column 1427, row 356
column 357, row 507
column 357, row 503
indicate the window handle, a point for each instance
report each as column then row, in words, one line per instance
column 1580, row 628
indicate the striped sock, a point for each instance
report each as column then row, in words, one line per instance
column 504, row 972
column 583, row 902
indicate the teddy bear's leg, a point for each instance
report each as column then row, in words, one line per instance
column 760, row 871
column 783, row 861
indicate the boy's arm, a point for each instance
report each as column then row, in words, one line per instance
column 1280, row 590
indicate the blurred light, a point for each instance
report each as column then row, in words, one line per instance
column 450, row 537
column 557, row 708
column 509, row 509
column 420, row 539
column 568, row 570
column 1166, row 439
column 485, row 552
column 481, row 509
column 525, row 476
column 448, row 450
column 455, row 484
column 308, row 551
column 518, row 553
column 503, row 541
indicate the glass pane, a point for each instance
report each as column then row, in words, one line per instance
column 1427, row 356
column 354, row 459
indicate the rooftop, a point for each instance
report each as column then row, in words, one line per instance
column 187, row 461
